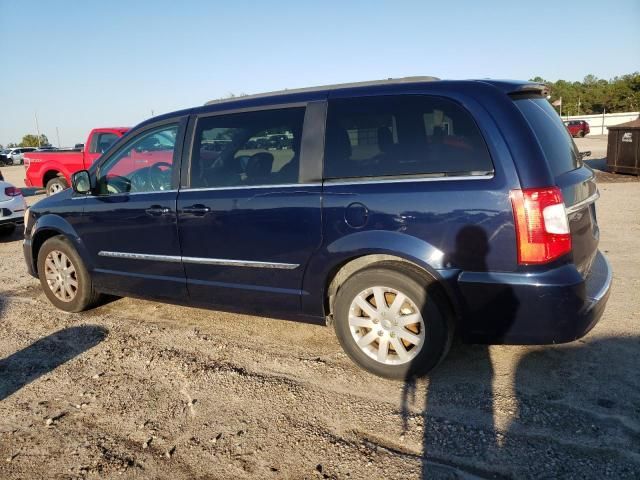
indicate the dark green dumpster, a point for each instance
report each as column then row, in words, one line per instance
column 623, row 148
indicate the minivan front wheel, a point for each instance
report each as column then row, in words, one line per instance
column 392, row 322
column 63, row 276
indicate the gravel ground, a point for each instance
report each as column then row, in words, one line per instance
column 138, row 389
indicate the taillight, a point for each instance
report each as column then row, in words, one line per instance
column 12, row 192
column 542, row 228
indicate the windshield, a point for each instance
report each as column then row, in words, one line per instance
column 557, row 145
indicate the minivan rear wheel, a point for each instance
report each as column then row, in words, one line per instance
column 392, row 322
column 64, row 277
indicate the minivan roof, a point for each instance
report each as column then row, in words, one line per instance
column 325, row 88
column 509, row 87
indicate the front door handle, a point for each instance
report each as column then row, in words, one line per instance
column 197, row 209
column 157, row 210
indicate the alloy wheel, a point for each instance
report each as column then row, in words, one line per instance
column 61, row 276
column 56, row 188
column 386, row 325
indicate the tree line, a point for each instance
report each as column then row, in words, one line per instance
column 590, row 96
column 596, row 95
column 31, row 140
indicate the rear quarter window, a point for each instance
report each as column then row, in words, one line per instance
column 403, row 135
column 557, row 145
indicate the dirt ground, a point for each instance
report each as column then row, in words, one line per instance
column 137, row 389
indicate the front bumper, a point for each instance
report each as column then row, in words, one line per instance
column 28, row 257
column 555, row 306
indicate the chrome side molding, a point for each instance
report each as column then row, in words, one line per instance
column 198, row 260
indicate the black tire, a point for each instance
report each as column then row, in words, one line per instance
column 581, row 133
column 54, row 184
column 428, row 298
column 85, row 296
column 6, row 230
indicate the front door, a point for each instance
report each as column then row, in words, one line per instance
column 130, row 224
column 248, row 226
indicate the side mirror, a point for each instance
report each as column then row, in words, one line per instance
column 81, row 182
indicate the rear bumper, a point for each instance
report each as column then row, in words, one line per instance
column 11, row 221
column 556, row 306
column 12, row 211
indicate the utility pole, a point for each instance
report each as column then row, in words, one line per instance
column 37, row 127
column 578, row 106
column 58, row 135
column 560, row 108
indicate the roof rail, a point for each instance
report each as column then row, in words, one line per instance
column 321, row 88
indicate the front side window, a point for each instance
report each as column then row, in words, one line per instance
column 145, row 164
column 247, row 149
column 102, row 141
column 402, row 135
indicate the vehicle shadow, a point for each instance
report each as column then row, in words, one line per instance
column 16, row 235
column 46, row 354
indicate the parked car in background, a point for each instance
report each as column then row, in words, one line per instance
column 14, row 155
column 402, row 212
column 52, row 169
column 17, row 156
column 4, row 156
column 12, row 207
column 577, row 128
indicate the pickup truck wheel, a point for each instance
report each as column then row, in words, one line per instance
column 392, row 322
column 56, row 185
column 63, row 276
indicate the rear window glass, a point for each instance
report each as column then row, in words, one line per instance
column 557, row 145
column 402, row 135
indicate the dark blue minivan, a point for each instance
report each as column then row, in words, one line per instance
column 400, row 211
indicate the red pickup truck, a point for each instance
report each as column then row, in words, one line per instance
column 577, row 128
column 53, row 169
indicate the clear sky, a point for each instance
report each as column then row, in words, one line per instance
column 83, row 64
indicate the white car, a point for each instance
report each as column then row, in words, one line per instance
column 12, row 207
column 15, row 155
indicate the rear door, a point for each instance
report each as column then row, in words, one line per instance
column 576, row 180
column 249, row 216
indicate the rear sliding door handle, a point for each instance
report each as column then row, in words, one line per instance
column 157, row 210
column 198, row 209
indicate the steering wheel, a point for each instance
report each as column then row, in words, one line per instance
column 158, row 178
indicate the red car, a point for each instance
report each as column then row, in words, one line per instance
column 52, row 170
column 577, row 128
